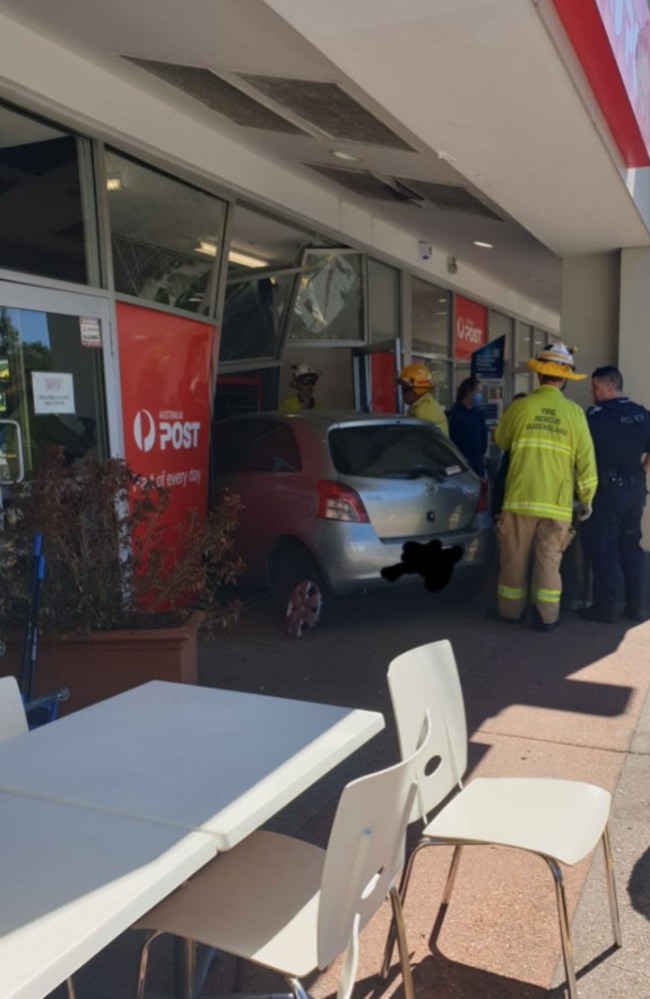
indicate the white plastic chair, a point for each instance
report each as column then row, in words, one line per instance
column 293, row 907
column 560, row 820
column 13, row 720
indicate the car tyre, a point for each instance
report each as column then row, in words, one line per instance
column 302, row 595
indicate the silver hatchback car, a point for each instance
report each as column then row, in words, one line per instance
column 330, row 498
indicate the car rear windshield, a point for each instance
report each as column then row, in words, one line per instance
column 392, row 451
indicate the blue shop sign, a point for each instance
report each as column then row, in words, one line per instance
column 487, row 361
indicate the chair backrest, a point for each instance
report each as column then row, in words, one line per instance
column 13, row 720
column 364, row 856
column 426, row 679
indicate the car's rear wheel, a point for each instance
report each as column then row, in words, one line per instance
column 301, row 594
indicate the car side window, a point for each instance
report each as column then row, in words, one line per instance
column 257, row 446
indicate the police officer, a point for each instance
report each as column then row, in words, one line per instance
column 611, row 538
column 551, row 456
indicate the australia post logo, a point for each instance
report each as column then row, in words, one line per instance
column 169, row 430
column 468, row 332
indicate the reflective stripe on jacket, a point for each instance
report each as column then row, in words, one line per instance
column 426, row 407
column 551, row 455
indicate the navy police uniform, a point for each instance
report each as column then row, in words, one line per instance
column 611, row 537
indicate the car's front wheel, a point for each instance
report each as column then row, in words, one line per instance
column 301, row 594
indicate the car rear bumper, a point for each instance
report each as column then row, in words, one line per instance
column 352, row 557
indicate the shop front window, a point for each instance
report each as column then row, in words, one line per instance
column 166, row 236
column 523, row 343
column 430, row 324
column 329, row 300
column 47, row 213
column 254, row 312
column 430, row 308
column 383, row 302
column 265, row 256
column 540, row 340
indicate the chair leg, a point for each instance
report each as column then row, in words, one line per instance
column 71, row 990
column 611, row 888
column 402, row 944
column 403, row 886
column 144, row 961
column 563, row 914
column 297, row 988
column 446, row 895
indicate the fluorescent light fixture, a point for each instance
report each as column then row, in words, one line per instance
column 341, row 155
column 245, row 259
column 114, row 182
column 209, row 249
column 487, row 246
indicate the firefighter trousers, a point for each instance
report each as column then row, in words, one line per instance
column 522, row 540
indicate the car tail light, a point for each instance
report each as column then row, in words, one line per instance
column 337, row 502
column 482, row 502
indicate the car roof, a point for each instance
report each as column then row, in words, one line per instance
column 325, row 418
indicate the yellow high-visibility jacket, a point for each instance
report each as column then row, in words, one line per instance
column 293, row 403
column 551, row 455
column 426, row 407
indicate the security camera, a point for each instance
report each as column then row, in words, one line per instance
column 452, row 265
column 424, row 250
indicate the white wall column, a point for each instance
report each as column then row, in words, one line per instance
column 606, row 314
column 590, row 315
column 634, row 350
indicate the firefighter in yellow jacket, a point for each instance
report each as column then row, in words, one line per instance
column 416, row 383
column 551, row 461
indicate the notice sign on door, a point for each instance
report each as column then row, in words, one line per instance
column 53, row 393
column 90, row 332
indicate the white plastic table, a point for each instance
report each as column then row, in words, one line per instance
column 198, row 757
column 72, row 879
column 106, row 811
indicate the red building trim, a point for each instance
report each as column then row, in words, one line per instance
column 584, row 27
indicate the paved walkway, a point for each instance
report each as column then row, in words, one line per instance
column 565, row 704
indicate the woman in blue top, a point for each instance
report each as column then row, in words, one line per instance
column 467, row 427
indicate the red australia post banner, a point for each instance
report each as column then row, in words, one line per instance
column 470, row 327
column 164, row 377
column 611, row 39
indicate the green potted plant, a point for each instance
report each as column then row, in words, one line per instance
column 124, row 593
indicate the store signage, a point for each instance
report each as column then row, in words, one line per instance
column 490, row 414
column 487, row 361
column 611, row 38
column 470, row 327
column 165, row 383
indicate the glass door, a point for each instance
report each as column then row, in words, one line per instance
column 53, row 382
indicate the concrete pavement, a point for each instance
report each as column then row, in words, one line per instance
column 570, row 704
